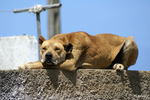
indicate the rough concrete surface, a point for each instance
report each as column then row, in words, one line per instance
column 84, row 84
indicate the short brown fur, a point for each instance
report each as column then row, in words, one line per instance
column 81, row 50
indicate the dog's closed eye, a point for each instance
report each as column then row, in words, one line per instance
column 56, row 49
column 44, row 48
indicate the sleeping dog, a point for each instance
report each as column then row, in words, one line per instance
column 81, row 50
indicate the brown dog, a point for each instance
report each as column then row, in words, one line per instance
column 81, row 50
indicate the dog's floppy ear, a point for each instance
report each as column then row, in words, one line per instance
column 41, row 40
column 69, row 48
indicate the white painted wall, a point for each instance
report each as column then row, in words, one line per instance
column 17, row 50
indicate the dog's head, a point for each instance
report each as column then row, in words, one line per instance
column 53, row 51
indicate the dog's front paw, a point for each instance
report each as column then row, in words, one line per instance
column 23, row 66
column 32, row 65
column 118, row 67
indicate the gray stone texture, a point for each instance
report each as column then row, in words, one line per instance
column 83, row 84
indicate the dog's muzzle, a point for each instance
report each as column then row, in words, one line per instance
column 48, row 58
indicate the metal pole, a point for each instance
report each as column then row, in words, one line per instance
column 38, row 31
column 53, row 20
column 38, row 17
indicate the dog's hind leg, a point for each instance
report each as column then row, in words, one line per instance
column 127, row 55
column 129, row 52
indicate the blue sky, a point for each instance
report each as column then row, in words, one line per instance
column 121, row 17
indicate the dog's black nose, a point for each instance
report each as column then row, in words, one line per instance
column 48, row 56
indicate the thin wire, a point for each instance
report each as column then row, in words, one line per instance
column 6, row 11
